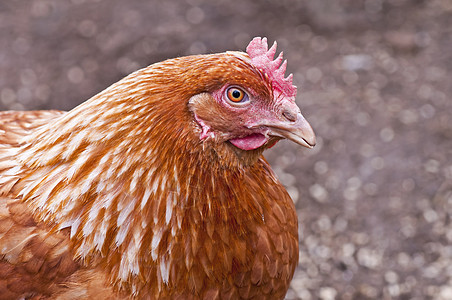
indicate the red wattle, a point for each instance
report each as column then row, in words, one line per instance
column 249, row 142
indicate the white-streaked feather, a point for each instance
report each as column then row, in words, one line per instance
column 164, row 269
column 122, row 233
column 155, row 243
column 125, row 212
column 169, row 208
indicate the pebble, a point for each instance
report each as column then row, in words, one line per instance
column 402, row 40
column 321, row 167
column 391, row 277
column 318, row 192
column 355, row 62
column 327, row 293
column 445, row 292
column 195, row 15
column 369, row 258
column 314, row 74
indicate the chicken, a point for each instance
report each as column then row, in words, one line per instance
column 156, row 188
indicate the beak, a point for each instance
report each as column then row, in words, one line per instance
column 296, row 129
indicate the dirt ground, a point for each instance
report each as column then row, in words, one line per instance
column 374, row 197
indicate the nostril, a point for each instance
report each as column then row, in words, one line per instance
column 289, row 116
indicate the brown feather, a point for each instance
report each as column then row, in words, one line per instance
column 119, row 198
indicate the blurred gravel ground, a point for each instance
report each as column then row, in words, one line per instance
column 374, row 197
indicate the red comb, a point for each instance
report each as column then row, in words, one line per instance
column 262, row 58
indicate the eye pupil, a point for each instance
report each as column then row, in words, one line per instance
column 236, row 94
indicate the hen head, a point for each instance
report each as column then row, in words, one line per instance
column 255, row 108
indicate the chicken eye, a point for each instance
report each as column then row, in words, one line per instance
column 236, row 95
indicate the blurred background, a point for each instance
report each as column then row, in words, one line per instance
column 374, row 197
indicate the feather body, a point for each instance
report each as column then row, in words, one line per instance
column 133, row 204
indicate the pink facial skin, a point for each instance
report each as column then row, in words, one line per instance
column 246, row 139
column 251, row 133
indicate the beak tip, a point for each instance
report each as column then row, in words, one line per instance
column 308, row 135
column 310, row 142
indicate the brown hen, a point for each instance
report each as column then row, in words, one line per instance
column 156, row 188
